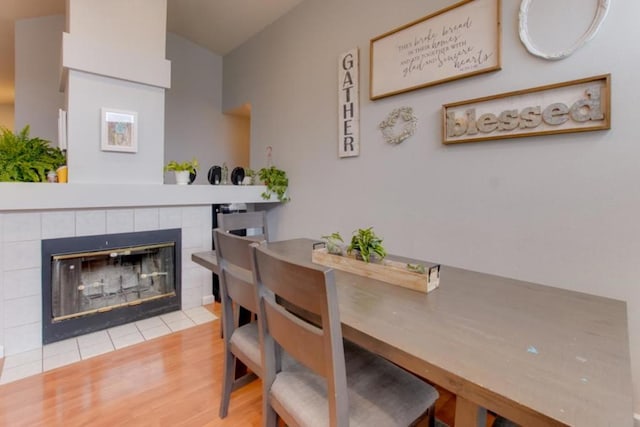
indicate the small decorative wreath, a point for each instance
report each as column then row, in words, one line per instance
column 408, row 128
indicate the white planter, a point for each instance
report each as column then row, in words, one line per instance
column 182, row 177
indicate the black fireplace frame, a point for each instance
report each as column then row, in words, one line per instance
column 57, row 331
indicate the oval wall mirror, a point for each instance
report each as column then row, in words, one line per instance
column 602, row 8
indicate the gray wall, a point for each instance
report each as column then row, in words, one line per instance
column 194, row 123
column 560, row 210
column 37, row 81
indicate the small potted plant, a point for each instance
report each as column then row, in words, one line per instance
column 276, row 181
column 249, row 177
column 182, row 170
column 334, row 243
column 366, row 245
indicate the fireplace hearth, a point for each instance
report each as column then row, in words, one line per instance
column 92, row 283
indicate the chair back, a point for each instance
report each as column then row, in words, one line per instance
column 243, row 220
column 318, row 346
column 237, row 284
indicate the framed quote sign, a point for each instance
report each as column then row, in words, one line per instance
column 459, row 41
column 574, row 106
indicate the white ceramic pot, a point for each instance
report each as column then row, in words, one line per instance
column 182, row 177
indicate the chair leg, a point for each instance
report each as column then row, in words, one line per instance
column 227, row 382
column 427, row 419
column 270, row 417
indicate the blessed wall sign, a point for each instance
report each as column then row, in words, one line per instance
column 574, row 106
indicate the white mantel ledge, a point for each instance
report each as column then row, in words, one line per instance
column 45, row 196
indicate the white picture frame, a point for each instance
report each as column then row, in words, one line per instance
column 459, row 41
column 119, row 130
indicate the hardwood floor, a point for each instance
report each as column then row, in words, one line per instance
column 169, row 381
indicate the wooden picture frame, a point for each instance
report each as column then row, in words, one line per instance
column 456, row 42
column 575, row 106
column 119, row 130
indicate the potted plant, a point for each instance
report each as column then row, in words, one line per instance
column 249, row 177
column 276, row 181
column 26, row 159
column 366, row 245
column 182, row 170
column 334, row 243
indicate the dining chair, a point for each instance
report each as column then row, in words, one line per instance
column 340, row 383
column 237, row 290
column 239, row 222
column 236, row 221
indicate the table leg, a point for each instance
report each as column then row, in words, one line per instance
column 469, row 414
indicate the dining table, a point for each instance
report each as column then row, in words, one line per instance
column 537, row 355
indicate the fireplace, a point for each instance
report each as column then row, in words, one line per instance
column 92, row 283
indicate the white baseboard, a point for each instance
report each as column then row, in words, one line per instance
column 207, row 300
column 1, row 351
column 636, row 420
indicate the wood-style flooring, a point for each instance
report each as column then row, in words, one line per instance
column 169, row 381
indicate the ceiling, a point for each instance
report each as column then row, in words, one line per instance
column 218, row 25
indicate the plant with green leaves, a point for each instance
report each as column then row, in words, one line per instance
column 26, row 159
column 366, row 245
column 334, row 243
column 417, row 268
column 190, row 166
column 276, row 181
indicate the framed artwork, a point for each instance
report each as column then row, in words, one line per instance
column 575, row 106
column 456, row 42
column 119, row 130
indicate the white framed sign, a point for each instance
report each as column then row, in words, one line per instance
column 456, row 42
column 119, row 130
column 349, row 104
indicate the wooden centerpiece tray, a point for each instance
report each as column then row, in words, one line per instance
column 390, row 271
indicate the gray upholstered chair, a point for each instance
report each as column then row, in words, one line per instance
column 237, row 289
column 340, row 384
column 245, row 220
column 241, row 221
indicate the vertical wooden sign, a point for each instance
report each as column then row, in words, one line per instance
column 349, row 104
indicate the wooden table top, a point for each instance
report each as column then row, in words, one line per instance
column 535, row 354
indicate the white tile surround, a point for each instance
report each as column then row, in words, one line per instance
column 21, row 233
column 72, row 350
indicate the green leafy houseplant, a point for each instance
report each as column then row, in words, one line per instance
column 276, row 181
column 334, row 243
column 25, row 159
column 367, row 245
column 190, row 167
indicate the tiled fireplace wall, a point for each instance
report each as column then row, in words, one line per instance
column 20, row 263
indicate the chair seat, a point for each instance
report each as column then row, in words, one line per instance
column 246, row 339
column 380, row 393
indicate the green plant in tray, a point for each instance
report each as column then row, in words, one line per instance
column 334, row 243
column 417, row 268
column 367, row 245
column 25, row 159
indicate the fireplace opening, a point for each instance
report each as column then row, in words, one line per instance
column 92, row 283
